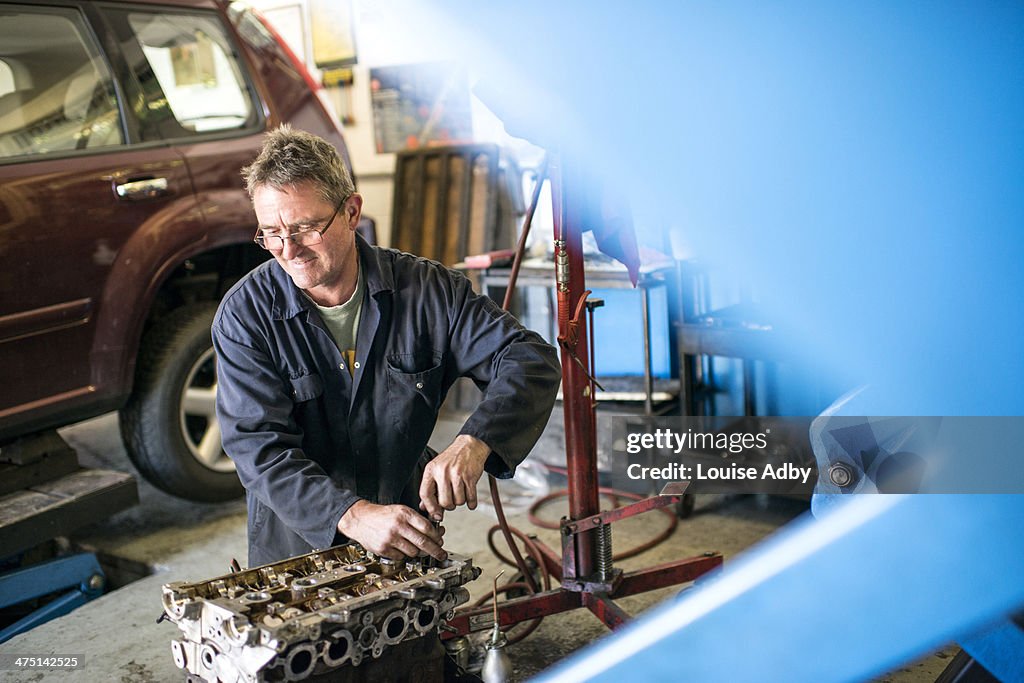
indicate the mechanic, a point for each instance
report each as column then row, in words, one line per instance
column 333, row 359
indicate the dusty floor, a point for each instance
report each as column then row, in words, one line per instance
column 121, row 642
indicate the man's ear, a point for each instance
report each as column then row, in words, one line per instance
column 353, row 210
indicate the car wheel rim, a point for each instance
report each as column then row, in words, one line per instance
column 199, row 426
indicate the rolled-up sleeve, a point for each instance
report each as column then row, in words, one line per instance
column 261, row 436
column 517, row 370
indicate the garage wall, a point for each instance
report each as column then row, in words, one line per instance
column 375, row 171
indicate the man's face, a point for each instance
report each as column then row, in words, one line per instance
column 321, row 269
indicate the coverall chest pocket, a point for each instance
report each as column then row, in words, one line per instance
column 306, row 387
column 414, row 390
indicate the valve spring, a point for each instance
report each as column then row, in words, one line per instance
column 604, row 551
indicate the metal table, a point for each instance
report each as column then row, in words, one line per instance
column 541, row 273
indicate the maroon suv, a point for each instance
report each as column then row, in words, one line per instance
column 123, row 218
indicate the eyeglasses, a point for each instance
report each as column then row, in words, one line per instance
column 307, row 237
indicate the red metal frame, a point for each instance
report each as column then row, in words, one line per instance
column 580, row 427
column 576, row 567
column 671, row 494
column 529, row 607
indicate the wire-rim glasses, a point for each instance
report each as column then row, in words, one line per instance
column 306, row 237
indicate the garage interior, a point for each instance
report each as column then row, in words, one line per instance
column 671, row 307
column 177, row 540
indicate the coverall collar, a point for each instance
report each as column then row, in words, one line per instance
column 289, row 301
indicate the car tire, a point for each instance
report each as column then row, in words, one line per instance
column 169, row 425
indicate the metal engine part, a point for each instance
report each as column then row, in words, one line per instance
column 307, row 615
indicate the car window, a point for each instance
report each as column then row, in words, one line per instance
column 188, row 72
column 56, row 93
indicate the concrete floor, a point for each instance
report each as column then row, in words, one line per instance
column 121, row 642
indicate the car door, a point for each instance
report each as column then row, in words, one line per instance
column 200, row 98
column 74, row 188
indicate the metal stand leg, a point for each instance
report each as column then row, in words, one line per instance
column 645, row 311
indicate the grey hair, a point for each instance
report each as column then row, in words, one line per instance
column 290, row 157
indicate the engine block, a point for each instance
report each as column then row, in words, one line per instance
column 310, row 614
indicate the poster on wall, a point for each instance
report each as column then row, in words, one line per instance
column 417, row 105
column 334, row 41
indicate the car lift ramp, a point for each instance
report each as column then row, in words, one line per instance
column 45, row 494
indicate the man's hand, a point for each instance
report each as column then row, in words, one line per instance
column 394, row 531
column 449, row 480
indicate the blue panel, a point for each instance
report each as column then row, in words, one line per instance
column 877, row 583
column 859, row 164
column 618, row 333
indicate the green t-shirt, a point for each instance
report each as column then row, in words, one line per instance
column 342, row 321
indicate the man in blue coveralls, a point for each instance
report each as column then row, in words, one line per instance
column 333, row 360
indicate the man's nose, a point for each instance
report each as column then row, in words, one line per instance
column 290, row 248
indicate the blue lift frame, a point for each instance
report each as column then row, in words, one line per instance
column 80, row 575
column 1000, row 650
column 877, row 583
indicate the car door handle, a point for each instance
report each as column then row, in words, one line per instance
column 146, row 188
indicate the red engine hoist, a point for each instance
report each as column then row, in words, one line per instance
column 584, row 566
